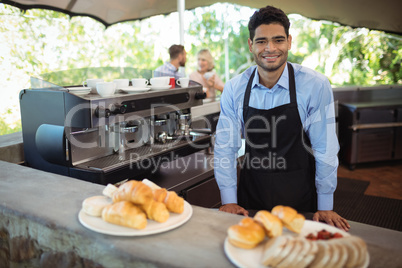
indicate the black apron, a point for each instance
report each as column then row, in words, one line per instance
column 276, row 169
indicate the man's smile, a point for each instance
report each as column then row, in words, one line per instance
column 270, row 57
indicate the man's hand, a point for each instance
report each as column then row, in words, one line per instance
column 332, row 218
column 234, row 209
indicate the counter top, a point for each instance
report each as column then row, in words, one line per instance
column 395, row 103
column 209, row 106
column 45, row 206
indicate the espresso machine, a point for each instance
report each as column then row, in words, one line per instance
column 106, row 140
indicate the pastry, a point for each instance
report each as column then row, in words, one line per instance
column 290, row 260
column 299, row 260
column 109, row 190
column 289, row 217
column 283, row 251
column 273, row 249
column 284, row 213
column 296, row 224
column 94, row 205
column 323, row 255
column 151, row 184
column 133, row 191
column 156, row 211
column 173, row 202
column 247, row 234
column 310, row 256
column 271, row 223
column 126, row 214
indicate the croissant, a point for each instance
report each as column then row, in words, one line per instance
column 173, row 202
column 133, row 191
column 156, row 211
column 125, row 213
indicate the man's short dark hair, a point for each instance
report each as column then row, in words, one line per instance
column 175, row 51
column 268, row 15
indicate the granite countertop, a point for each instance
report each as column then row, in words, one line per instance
column 52, row 202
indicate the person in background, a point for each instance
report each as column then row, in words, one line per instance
column 286, row 114
column 205, row 74
column 171, row 68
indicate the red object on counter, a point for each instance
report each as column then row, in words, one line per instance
column 172, row 82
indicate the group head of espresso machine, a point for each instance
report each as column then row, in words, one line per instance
column 106, row 140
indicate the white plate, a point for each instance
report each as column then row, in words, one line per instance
column 160, row 87
column 135, row 89
column 79, row 88
column 98, row 225
column 81, row 93
column 251, row 258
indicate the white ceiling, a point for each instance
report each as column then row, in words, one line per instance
column 383, row 15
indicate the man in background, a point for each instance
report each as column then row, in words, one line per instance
column 171, row 68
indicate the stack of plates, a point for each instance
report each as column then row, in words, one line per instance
column 79, row 90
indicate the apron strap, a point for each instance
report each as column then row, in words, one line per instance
column 292, row 89
column 247, row 95
column 292, row 84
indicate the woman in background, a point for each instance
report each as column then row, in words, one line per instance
column 204, row 74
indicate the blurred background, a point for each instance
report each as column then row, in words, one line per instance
column 37, row 41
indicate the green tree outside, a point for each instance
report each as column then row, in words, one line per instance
column 43, row 41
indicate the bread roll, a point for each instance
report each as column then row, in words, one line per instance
column 94, row 205
column 247, row 234
column 361, row 245
column 343, row 253
column 289, row 217
column 109, row 190
column 310, row 255
column 276, row 249
column 290, row 260
column 156, row 211
column 133, row 191
column 322, row 256
column 284, row 251
column 299, row 260
column 334, row 255
column 296, row 224
column 126, row 214
column 357, row 251
column 173, row 202
column 284, row 213
column 353, row 252
column 271, row 223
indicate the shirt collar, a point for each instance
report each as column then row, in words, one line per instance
column 171, row 66
column 282, row 82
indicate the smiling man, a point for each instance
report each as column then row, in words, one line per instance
column 285, row 112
